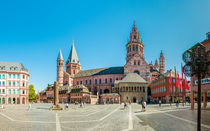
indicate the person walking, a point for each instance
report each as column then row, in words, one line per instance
column 159, row 103
column 125, row 105
column 145, row 104
column 29, row 106
column 142, row 106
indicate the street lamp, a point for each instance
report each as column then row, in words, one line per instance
column 196, row 65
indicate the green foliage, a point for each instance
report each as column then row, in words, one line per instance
column 32, row 94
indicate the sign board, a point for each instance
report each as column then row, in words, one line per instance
column 203, row 81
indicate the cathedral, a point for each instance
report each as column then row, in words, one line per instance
column 128, row 82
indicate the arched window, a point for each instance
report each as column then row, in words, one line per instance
column 106, row 91
column 137, row 72
column 3, row 100
column 9, row 100
column 134, row 62
column 133, row 48
column 136, row 47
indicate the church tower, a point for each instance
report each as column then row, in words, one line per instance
column 60, row 71
column 73, row 64
column 161, row 63
column 156, row 65
column 134, row 46
column 135, row 62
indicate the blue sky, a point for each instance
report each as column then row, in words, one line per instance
column 32, row 32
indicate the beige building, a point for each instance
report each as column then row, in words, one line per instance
column 132, row 88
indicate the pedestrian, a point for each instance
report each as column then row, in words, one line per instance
column 67, row 105
column 159, row 103
column 29, row 106
column 125, row 105
column 142, row 106
column 145, row 104
column 2, row 106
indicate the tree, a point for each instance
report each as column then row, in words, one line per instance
column 32, row 94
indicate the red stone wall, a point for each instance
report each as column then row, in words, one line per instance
column 103, row 86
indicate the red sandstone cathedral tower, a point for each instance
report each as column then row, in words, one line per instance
column 60, row 70
column 135, row 56
column 161, row 63
column 73, row 64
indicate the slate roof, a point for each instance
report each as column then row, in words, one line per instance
column 65, row 87
column 132, row 77
column 110, row 94
column 79, row 88
column 167, row 74
column 60, row 56
column 73, row 55
column 153, row 70
column 101, row 71
column 12, row 67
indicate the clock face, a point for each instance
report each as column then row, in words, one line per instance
column 186, row 57
column 187, row 70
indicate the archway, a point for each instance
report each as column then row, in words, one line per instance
column 9, row 100
column 106, row 91
column 149, row 94
column 13, row 100
column 18, row 100
column 3, row 100
column 137, row 72
column 23, row 100
column 134, row 99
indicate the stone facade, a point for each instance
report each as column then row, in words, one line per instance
column 14, row 83
column 132, row 88
column 205, row 85
column 160, row 88
column 100, row 81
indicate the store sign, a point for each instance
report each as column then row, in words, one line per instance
column 203, row 81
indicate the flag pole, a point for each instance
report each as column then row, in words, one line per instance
column 170, row 91
column 175, row 85
column 183, row 90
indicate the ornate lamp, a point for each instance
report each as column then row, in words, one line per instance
column 196, row 65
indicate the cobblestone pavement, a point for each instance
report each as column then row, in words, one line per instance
column 100, row 118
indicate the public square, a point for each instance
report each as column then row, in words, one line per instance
column 112, row 117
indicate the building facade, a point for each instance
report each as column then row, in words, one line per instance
column 100, row 81
column 205, row 82
column 14, row 83
column 132, row 88
column 160, row 89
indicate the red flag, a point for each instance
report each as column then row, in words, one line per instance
column 186, row 84
column 182, row 78
column 170, row 81
column 176, row 78
column 179, row 84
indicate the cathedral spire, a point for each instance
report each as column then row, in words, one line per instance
column 73, row 55
column 60, row 57
column 134, row 35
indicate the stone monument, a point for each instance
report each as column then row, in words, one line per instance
column 56, row 100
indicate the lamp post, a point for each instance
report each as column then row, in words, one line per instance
column 196, row 65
